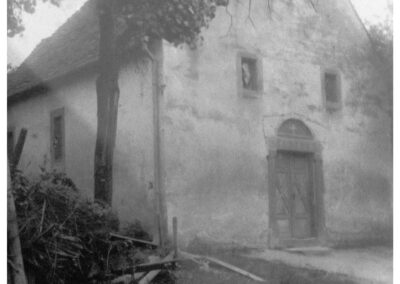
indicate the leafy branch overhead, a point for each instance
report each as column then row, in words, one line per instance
column 177, row 21
column 15, row 9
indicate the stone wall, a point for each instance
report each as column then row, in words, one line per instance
column 216, row 167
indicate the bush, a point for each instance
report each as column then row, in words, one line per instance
column 64, row 239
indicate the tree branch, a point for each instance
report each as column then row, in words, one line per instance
column 269, row 8
column 230, row 18
column 313, row 5
column 249, row 15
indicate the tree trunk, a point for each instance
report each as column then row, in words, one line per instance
column 107, row 103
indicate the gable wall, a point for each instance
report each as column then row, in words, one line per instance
column 216, row 140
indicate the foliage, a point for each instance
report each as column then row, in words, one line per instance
column 381, row 36
column 63, row 238
column 15, row 9
column 10, row 67
column 136, row 230
column 177, row 21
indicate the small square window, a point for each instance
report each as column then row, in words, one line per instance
column 249, row 75
column 331, row 89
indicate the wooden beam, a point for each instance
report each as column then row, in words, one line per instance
column 152, row 274
column 19, row 146
column 234, row 268
column 133, row 240
column 15, row 155
column 224, row 264
column 147, row 267
column 175, row 235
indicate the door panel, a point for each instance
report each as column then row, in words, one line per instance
column 283, row 203
column 293, row 196
column 299, row 186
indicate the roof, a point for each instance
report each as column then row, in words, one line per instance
column 74, row 45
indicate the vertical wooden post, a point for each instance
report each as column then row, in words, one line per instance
column 157, row 74
column 272, row 199
column 15, row 153
column 18, row 274
column 175, row 235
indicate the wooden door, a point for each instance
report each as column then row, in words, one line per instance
column 294, row 210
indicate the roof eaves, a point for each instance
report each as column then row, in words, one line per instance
column 19, row 94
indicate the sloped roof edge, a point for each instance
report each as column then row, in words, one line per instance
column 71, row 47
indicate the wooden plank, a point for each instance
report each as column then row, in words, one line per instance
column 175, row 235
column 234, row 268
column 155, row 266
column 146, row 267
column 134, row 240
column 127, row 278
column 19, row 146
column 231, row 267
column 152, row 274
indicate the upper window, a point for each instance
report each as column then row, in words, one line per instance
column 249, row 74
column 331, row 89
column 57, row 136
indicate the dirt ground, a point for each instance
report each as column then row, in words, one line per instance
column 364, row 265
column 273, row 273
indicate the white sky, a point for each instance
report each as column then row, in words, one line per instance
column 41, row 24
column 48, row 18
column 372, row 10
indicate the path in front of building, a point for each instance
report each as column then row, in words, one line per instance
column 350, row 266
column 363, row 265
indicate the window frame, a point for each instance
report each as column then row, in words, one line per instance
column 259, row 81
column 331, row 106
column 53, row 115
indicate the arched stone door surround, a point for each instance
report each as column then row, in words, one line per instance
column 295, row 186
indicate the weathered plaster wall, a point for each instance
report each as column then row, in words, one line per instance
column 215, row 139
column 216, row 168
column 133, row 196
column 78, row 101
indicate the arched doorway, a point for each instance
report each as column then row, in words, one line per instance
column 295, row 186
